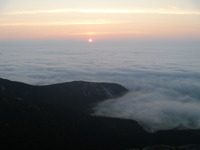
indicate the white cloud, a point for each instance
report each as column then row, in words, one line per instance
column 160, row 103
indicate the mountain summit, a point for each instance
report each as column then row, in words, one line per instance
column 73, row 95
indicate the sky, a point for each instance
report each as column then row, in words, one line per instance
column 99, row 20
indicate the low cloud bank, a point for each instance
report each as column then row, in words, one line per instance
column 163, row 76
column 158, row 104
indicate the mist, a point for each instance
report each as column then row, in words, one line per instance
column 158, row 102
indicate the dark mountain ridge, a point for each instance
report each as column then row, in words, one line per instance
column 73, row 95
column 45, row 117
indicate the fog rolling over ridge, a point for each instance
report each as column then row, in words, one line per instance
column 163, row 78
column 159, row 102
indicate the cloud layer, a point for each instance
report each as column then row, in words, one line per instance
column 163, row 78
column 159, row 103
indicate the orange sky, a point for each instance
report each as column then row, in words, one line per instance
column 109, row 20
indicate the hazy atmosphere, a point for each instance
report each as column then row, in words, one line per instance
column 150, row 47
column 101, row 20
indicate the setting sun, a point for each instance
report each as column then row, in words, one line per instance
column 90, row 40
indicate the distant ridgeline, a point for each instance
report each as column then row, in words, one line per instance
column 58, row 116
column 72, row 95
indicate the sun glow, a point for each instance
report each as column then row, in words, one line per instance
column 92, row 22
column 90, row 40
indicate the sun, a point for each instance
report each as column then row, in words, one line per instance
column 90, row 40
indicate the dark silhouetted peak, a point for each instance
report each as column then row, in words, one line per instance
column 74, row 95
column 94, row 90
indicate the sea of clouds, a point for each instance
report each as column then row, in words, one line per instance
column 163, row 79
column 159, row 102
